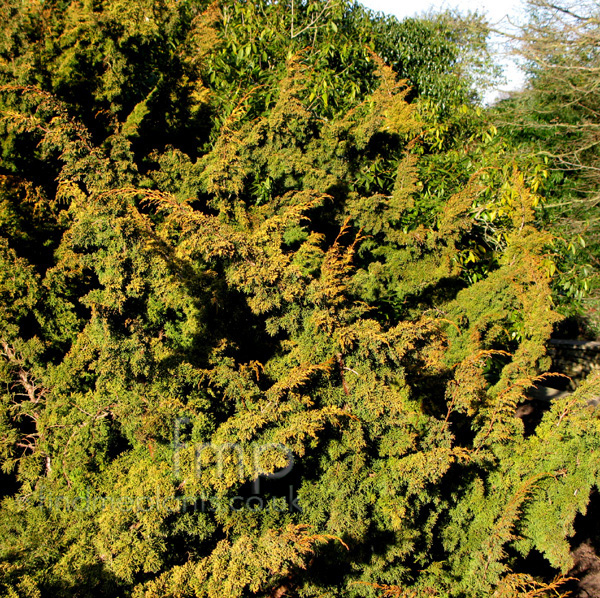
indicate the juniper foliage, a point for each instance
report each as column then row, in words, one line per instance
column 246, row 289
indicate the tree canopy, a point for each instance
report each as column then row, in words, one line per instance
column 556, row 119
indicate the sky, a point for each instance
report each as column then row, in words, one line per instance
column 498, row 12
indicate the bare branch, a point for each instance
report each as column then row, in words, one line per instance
column 313, row 22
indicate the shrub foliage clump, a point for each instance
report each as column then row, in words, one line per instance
column 240, row 352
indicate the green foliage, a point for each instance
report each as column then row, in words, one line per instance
column 555, row 119
column 442, row 56
column 207, row 267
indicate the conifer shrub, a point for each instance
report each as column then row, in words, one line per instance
column 235, row 361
